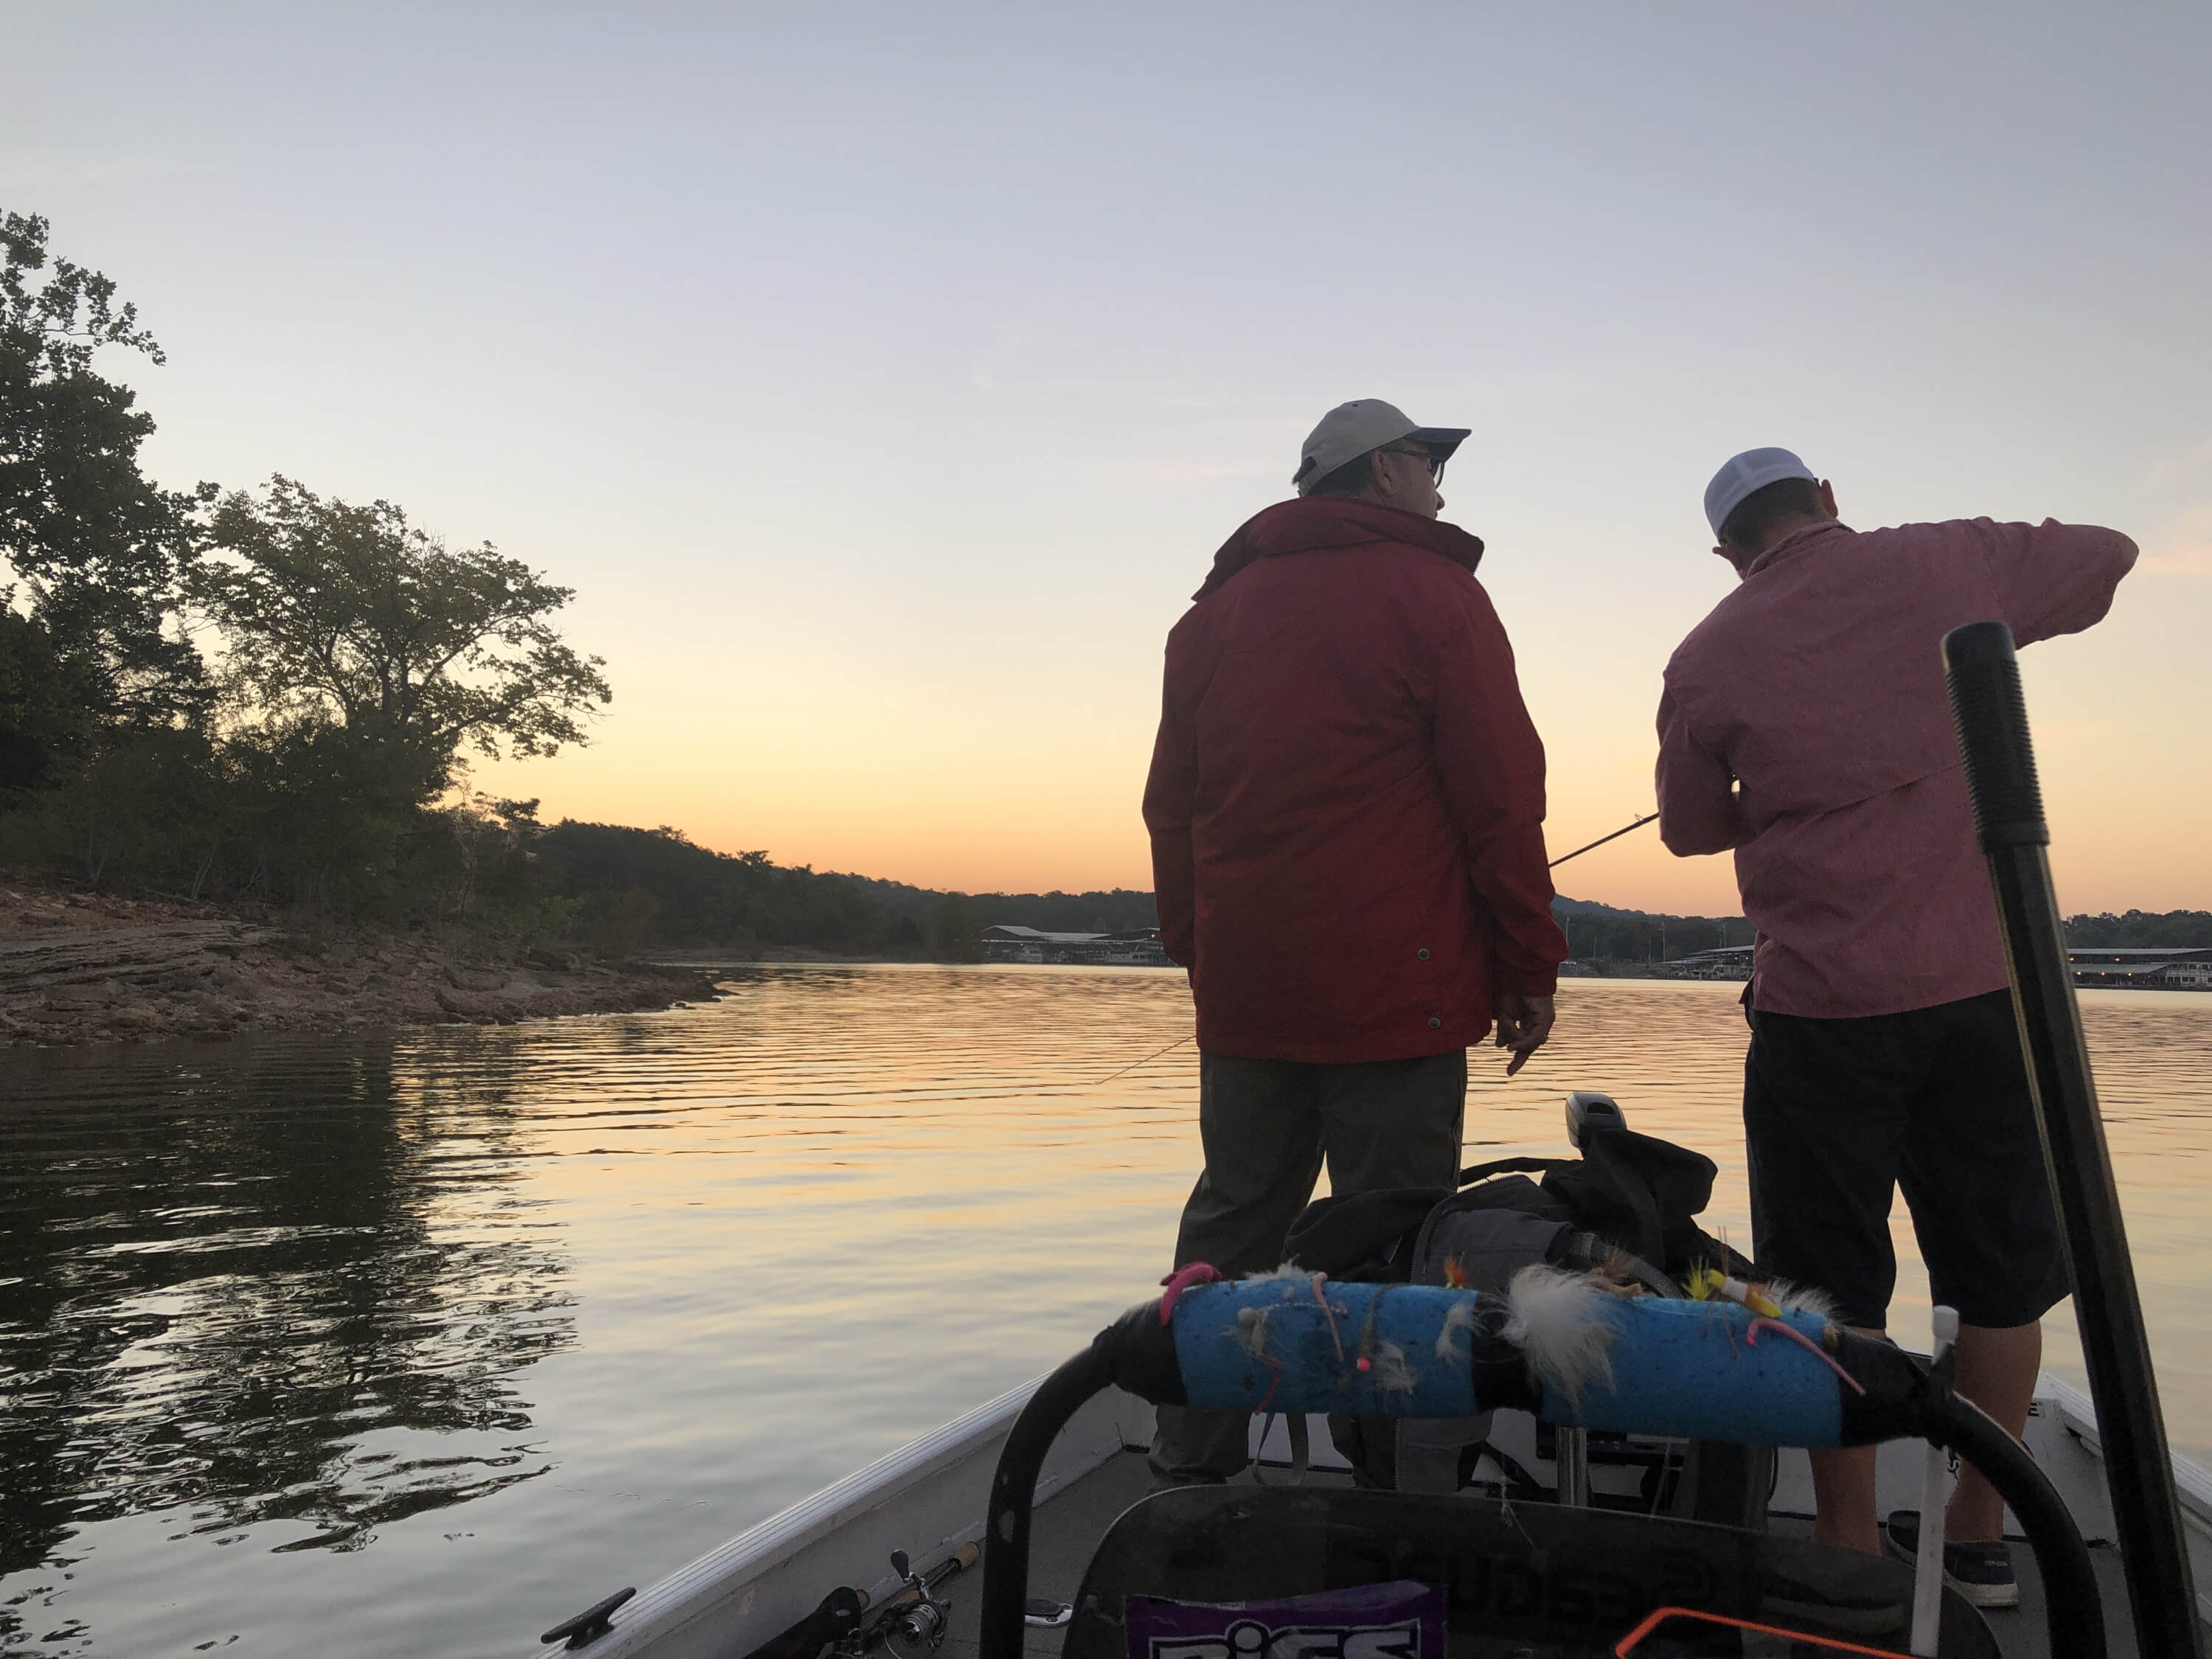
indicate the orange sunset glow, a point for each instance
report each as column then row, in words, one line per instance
column 1019, row 770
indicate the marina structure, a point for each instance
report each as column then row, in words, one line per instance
column 1136, row 947
column 2156, row 968
column 1723, row 962
column 2160, row 968
column 2125, row 968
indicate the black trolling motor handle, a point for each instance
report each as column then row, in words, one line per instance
column 1992, row 716
column 2072, row 1606
column 1014, row 1495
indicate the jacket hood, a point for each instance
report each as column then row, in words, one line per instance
column 1317, row 524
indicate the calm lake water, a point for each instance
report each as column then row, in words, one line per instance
column 414, row 1346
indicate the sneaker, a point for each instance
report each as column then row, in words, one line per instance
column 1837, row 1592
column 1981, row 1572
column 1844, row 1612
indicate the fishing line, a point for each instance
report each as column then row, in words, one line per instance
column 1133, row 1064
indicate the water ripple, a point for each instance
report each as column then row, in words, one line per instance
column 429, row 1340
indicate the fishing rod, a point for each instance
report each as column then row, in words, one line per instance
column 1652, row 817
column 1992, row 716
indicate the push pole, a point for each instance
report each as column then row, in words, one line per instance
column 1992, row 721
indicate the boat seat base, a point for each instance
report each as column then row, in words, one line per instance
column 1519, row 1579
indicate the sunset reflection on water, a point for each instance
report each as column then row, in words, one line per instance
column 423, row 1340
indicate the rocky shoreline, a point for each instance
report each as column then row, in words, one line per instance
column 78, row 968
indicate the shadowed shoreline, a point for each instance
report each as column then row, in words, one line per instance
column 84, row 969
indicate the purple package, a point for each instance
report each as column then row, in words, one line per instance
column 1399, row 1620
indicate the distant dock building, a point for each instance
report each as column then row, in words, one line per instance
column 1137, row 947
column 2162, row 967
column 1723, row 962
column 2178, row 968
column 2156, row 968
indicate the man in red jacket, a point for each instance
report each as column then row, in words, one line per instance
column 1346, row 807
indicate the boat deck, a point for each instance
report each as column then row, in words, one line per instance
column 929, row 1498
column 1069, row 1525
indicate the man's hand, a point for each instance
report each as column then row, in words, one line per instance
column 1524, row 1024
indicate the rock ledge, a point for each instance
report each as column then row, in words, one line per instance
column 98, row 968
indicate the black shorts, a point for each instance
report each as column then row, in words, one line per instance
column 1838, row 1113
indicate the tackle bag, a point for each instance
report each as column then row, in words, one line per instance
column 1627, row 1206
column 1632, row 1192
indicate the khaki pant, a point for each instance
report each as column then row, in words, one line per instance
column 1268, row 1126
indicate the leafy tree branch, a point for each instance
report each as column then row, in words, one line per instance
column 350, row 615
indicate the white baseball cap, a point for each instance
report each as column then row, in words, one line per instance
column 1351, row 430
column 1752, row 471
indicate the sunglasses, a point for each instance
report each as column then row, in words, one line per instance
column 1436, row 462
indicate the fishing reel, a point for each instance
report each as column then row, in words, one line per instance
column 911, row 1617
column 920, row 1622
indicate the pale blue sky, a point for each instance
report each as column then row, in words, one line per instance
column 884, row 376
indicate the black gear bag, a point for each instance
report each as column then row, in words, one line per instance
column 1628, row 1205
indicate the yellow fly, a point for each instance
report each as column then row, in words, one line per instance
column 1706, row 1283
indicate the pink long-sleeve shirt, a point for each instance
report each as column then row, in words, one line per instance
column 1805, row 724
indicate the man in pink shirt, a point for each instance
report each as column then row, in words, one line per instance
column 1804, row 725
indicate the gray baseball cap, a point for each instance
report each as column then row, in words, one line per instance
column 1351, row 430
column 1744, row 474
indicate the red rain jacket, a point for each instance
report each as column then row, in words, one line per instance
column 1346, row 798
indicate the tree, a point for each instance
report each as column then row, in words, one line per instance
column 39, row 719
column 350, row 616
column 101, row 551
column 2140, row 929
column 954, row 935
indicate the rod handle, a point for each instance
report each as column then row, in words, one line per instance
column 1992, row 715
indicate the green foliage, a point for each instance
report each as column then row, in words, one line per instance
column 135, row 805
column 350, row 615
column 363, row 655
column 705, row 898
column 954, row 934
column 321, row 817
column 742, row 902
column 614, row 924
column 101, row 552
column 1599, row 932
column 2141, row 929
column 1118, row 911
column 42, row 718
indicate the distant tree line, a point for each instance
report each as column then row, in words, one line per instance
column 1116, row 911
column 1594, row 931
column 1597, row 933
column 2140, row 928
column 621, row 888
